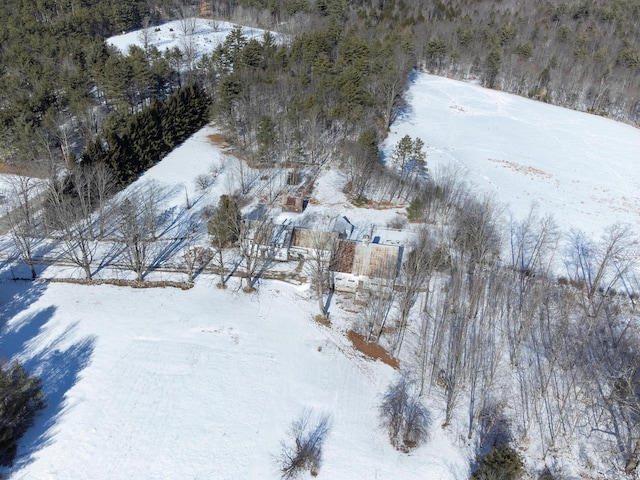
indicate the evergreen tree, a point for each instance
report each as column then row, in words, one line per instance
column 224, row 227
column 501, row 463
column 409, row 157
column 95, row 152
column 21, row 399
column 492, row 67
column 266, row 137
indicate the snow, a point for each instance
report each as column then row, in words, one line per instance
column 204, row 383
column 197, row 384
column 582, row 169
column 207, row 35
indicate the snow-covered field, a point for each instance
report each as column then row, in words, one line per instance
column 582, row 169
column 204, row 383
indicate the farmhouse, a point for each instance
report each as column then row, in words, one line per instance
column 364, row 265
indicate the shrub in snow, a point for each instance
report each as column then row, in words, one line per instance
column 397, row 222
column 202, row 182
column 501, row 463
column 406, row 420
column 20, row 401
column 547, row 475
column 303, row 450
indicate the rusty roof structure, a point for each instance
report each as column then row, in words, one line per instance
column 371, row 260
column 293, row 204
column 313, row 239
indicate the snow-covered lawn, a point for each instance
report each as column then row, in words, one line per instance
column 165, row 383
column 203, row 383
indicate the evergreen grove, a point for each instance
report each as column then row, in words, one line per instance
column 138, row 141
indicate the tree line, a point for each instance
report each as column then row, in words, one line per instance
column 342, row 74
column 578, row 54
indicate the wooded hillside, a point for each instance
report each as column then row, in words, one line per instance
column 342, row 74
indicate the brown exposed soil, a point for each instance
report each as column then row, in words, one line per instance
column 123, row 283
column 323, row 320
column 6, row 168
column 372, row 350
column 367, row 203
column 217, row 139
column 529, row 171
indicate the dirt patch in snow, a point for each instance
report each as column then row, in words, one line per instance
column 217, row 139
column 516, row 167
column 121, row 283
column 6, row 168
column 372, row 350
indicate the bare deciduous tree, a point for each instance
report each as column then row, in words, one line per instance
column 195, row 258
column 415, row 274
column 134, row 233
column 224, row 227
column 144, row 35
column 21, row 219
column 104, row 182
column 321, row 251
column 388, row 88
column 304, row 450
column 402, row 414
column 361, row 166
column 77, row 235
column 600, row 266
column 378, row 297
column 256, row 246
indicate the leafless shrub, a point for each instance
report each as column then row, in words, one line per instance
column 303, row 451
column 495, row 429
column 407, row 421
column 207, row 212
column 397, row 222
column 202, row 182
column 214, row 170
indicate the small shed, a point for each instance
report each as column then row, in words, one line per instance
column 293, row 204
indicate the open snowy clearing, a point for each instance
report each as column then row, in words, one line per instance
column 165, row 383
column 202, row 36
column 204, row 383
column 581, row 168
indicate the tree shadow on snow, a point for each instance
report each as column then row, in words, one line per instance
column 15, row 337
column 59, row 368
column 16, row 296
column 58, row 364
